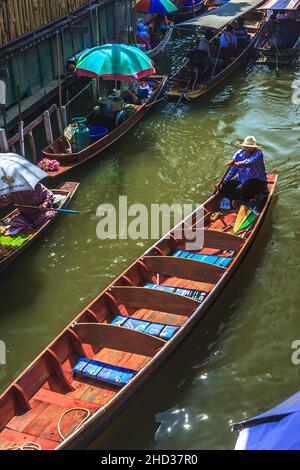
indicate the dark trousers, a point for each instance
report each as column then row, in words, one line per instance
column 235, row 190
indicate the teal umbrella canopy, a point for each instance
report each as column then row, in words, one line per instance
column 18, row 174
column 114, row 62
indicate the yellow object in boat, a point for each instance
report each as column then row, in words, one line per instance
column 243, row 214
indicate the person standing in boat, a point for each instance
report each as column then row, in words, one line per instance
column 247, row 176
column 41, row 200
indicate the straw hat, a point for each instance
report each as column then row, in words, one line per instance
column 250, row 141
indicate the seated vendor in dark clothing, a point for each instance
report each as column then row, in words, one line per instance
column 247, row 176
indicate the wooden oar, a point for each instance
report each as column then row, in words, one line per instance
column 63, row 211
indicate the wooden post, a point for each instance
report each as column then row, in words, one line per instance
column 95, row 96
column 21, row 141
column 97, row 28
column 32, row 146
column 91, row 23
column 58, row 68
column 21, row 125
column 4, row 148
column 48, row 127
column 59, row 121
column 64, row 117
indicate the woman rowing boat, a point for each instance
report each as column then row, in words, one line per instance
column 247, row 177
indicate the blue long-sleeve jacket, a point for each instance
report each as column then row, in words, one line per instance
column 252, row 167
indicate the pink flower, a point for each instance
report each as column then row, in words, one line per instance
column 49, row 165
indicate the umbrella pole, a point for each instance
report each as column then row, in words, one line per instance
column 21, row 125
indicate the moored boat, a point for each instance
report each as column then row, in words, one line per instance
column 280, row 41
column 189, row 82
column 163, row 43
column 87, row 375
column 13, row 246
column 115, row 123
column 187, row 9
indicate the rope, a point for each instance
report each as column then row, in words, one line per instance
column 26, row 446
column 88, row 414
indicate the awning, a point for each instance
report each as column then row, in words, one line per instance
column 281, row 5
column 223, row 15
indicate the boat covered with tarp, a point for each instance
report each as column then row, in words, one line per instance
column 276, row 429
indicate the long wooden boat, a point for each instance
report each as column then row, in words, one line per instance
column 58, row 150
column 188, row 86
column 163, row 43
column 65, row 192
column 289, row 50
column 87, row 375
column 186, row 12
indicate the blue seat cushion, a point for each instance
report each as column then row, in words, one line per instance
column 80, row 365
column 101, row 371
column 119, row 320
column 151, row 328
column 190, row 293
column 222, row 261
column 154, row 329
column 136, row 324
column 168, row 332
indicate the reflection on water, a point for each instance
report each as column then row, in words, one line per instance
column 236, row 363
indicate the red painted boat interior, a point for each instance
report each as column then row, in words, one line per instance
column 32, row 406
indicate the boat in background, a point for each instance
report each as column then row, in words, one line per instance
column 186, row 82
column 12, row 247
column 187, row 9
column 280, row 41
column 82, row 381
column 163, row 43
column 114, row 125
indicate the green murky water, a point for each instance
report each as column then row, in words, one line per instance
column 237, row 362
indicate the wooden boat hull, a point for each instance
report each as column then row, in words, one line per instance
column 69, row 161
column 219, row 78
column 68, row 190
column 93, row 333
column 164, row 42
column 186, row 13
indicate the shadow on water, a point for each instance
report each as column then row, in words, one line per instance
column 158, row 401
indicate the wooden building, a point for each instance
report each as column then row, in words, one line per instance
column 31, row 31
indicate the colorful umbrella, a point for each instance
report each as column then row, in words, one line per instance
column 18, row 174
column 114, row 62
column 155, row 6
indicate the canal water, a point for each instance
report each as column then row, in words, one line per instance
column 237, row 362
